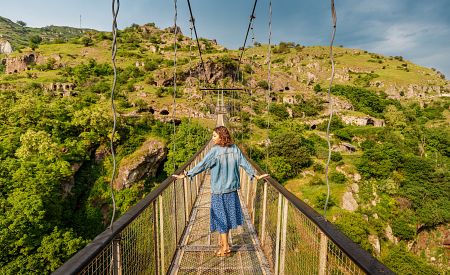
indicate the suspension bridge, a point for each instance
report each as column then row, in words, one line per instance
column 168, row 232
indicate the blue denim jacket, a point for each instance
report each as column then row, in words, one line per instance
column 224, row 163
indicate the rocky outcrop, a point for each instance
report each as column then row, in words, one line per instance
column 344, row 147
column 363, row 121
column 5, row 47
column 214, row 72
column 312, row 78
column 390, row 235
column 348, row 201
column 375, row 242
column 142, row 163
column 70, row 183
column 289, row 99
column 65, row 88
column 413, row 91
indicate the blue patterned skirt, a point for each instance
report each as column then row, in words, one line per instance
column 226, row 212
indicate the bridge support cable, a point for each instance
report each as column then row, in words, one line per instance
column 330, row 104
column 196, row 38
column 268, row 98
column 115, row 12
column 252, row 16
column 174, row 78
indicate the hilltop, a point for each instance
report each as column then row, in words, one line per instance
column 390, row 134
column 19, row 35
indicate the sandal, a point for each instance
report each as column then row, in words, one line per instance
column 218, row 250
column 223, row 253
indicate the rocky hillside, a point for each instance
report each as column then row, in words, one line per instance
column 390, row 133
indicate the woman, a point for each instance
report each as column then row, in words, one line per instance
column 224, row 160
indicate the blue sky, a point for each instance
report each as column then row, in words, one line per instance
column 417, row 30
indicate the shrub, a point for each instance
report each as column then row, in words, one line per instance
column 336, row 156
column 337, row 177
column 317, row 88
column 279, row 111
column 279, row 168
column 402, row 227
column 316, row 180
column 321, row 200
column 86, row 41
column 401, row 261
column 336, row 124
column 356, row 228
column 318, row 167
column 263, row 84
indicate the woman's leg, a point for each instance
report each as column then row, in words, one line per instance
column 224, row 242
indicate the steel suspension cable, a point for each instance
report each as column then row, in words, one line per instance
column 330, row 104
column 268, row 81
column 115, row 12
column 196, row 38
column 174, row 79
column 252, row 16
column 190, row 75
column 251, row 91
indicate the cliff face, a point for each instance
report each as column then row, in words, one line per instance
column 144, row 162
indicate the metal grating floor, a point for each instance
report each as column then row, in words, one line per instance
column 196, row 254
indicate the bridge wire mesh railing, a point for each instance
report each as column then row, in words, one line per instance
column 146, row 237
column 295, row 238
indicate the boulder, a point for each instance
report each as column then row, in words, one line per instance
column 390, row 235
column 348, row 201
column 375, row 242
column 5, row 47
column 312, row 78
column 144, row 162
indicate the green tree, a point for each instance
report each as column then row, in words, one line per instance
column 394, row 117
column 34, row 41
column 293, row 147
column 188, row 139
column 279, row 168
column 87, row 41
column 21, row 23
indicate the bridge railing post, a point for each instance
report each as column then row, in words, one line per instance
column 117, row 256
column 155, row 237
column 264, row 212
column 283, row 235
column 277, row 241
column 161, row 234
column 323, row 251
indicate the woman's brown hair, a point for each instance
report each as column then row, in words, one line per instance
column 224, row 136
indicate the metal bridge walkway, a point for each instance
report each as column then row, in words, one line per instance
column 196, row 255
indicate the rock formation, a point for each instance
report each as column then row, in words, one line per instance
column 5, row 47
column 348, row 201
column 363, row 121
column 19, row 64
column 144, row 162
